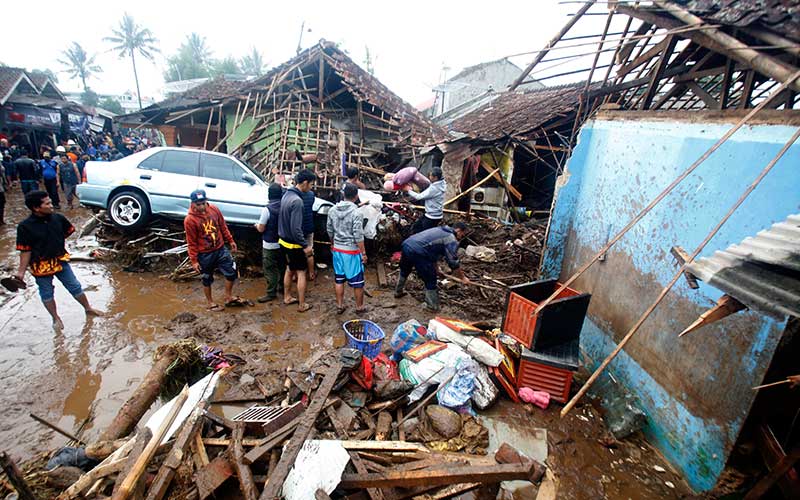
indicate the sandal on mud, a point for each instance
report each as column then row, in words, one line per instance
column 362, row 310
column 13, row 284
column 304, row 308
column 215, row 308
column 238, row 302
column 293, row 300
column 340, row 309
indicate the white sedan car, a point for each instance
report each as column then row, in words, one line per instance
column 158, row 181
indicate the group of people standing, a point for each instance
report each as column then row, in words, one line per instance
column 287, row 228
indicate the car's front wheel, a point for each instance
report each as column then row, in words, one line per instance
column 129, row 210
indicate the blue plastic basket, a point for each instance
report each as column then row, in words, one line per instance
column 365, row 336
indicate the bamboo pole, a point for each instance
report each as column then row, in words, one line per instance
column 208, row 128
column 679, row 274
column 550, row 44
column 664, row 193
column 763, row 63
column 477, row 184
column 126, row 488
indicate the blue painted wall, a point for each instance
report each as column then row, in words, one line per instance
column 696, row 391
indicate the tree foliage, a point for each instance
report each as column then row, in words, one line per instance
column 46, row 72
column 112, row 105
column 226, row 66
column 89, row 97
column 130, row 39
column 78, row 64
column 253, row 63
column 193, row 60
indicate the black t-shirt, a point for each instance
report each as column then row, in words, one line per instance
column 44, row 238
column 26, row 169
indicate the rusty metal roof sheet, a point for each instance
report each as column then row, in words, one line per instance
column 779, row 16
column 762, row 272
column 518, row 114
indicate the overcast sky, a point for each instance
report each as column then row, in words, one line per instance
column 410, row 41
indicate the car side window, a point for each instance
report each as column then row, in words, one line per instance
column 153, row 162
column 219, row 167
column 180, row 162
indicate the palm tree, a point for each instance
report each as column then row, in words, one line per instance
column 131, row 38
column 196, row 45
column 253, row 63
column 78, row 64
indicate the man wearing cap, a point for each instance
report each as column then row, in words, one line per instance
column 206, row 235
column 433, row 196
column 272, row 259
column 294, row 245
column 346, row 230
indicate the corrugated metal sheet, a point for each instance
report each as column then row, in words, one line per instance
column 762, row 272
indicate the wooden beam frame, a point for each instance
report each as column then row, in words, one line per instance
column 658, row 71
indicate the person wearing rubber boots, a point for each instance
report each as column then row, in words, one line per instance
column 422, row 252
column 206, row 235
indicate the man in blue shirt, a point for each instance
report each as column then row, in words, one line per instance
column 422, row 252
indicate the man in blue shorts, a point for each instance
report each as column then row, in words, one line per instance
column 346, row 230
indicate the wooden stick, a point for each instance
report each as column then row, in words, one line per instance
column 473, row 283
column 663, row 194
column 246, row 483
column 147, row 454
column 187, row 434
column 550, row 44
column 55, row 428
column 788, row 380
column 678, row 274
column 208, row 128
column 16, row 478
column 273, row 487
column 341, row 432
column 477, row 184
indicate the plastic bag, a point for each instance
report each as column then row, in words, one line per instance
column 384, row 368
column 406, row 336
column 363, row 374
column 451, row 364
column 486, row 392
column 476, row 347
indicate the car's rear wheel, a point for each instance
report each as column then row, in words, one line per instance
column 129, row 210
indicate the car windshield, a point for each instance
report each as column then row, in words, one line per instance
column 252, row 170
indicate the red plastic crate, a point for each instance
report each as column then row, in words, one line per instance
column 541, row 377
column 520, row 322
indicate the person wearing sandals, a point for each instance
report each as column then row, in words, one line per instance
column 206, row 235
column 294, row 246
column 346, row 230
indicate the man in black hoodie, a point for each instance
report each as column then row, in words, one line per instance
column 292, row 240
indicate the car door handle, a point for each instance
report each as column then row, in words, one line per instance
column 146, row 177
column 210, row 184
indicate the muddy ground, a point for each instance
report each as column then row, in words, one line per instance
column 84, row 373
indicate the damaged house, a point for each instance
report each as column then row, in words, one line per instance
column 318, row 109
column 685, row 103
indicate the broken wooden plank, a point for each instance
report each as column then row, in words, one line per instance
column 246, row 482
column 200, row 449
column 16, row 478
column 186, row 436
column 111, row 465
column 225, row 442
column 384, row 446
column 361, row 468
column 443, row 476
column 725, row 306
column 130, row 481
column 143, row 437
column 682, row 257
column 272, row 489
column 381, row 268
column 211, row 477
column 321, row 495
column 383, row 429
column 221, row 421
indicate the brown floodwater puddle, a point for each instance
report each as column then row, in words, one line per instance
column 88, row 369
